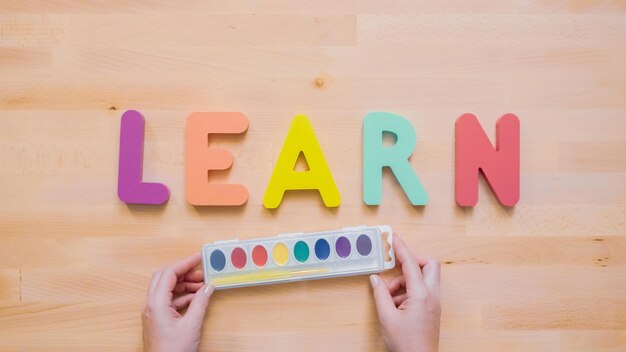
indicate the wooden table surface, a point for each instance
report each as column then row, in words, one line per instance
column 546, row 275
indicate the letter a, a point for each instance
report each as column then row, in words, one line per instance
column 301, row 139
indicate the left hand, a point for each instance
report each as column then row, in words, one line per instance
column 173, row 288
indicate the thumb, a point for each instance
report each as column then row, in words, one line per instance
column 199, row 304
column 384, row 302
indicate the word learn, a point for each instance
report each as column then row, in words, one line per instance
column 474, row 155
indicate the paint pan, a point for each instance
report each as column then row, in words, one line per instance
column 298, row 256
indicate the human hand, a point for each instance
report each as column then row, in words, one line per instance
column 408, row 305
column 173, row 288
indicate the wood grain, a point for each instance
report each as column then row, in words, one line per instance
column 546, row 275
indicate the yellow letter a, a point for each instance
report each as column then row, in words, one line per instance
column 301, row 138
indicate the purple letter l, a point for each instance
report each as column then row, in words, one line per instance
column 130, row 187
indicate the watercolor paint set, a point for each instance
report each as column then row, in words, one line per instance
column 298, row 256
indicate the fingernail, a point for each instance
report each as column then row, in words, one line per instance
column 374, row 280
column 208, row 290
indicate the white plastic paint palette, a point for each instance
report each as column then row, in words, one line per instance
column 300, row 256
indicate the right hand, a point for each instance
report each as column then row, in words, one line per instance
column 408, row 305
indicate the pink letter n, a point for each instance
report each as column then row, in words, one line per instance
column 499, row 165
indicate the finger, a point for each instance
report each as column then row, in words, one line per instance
column 153, row 281
column 194, row 276
column 402, row 252
column 384, row 303
column 185, row 265
column 183, row 301
column 164, row 289
column 185, row 286
column 421, row 260
column 396, row 284
column 410, row 268
column 198, row 306
column 432, row 276
column 399, row 299
column 170, row 274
